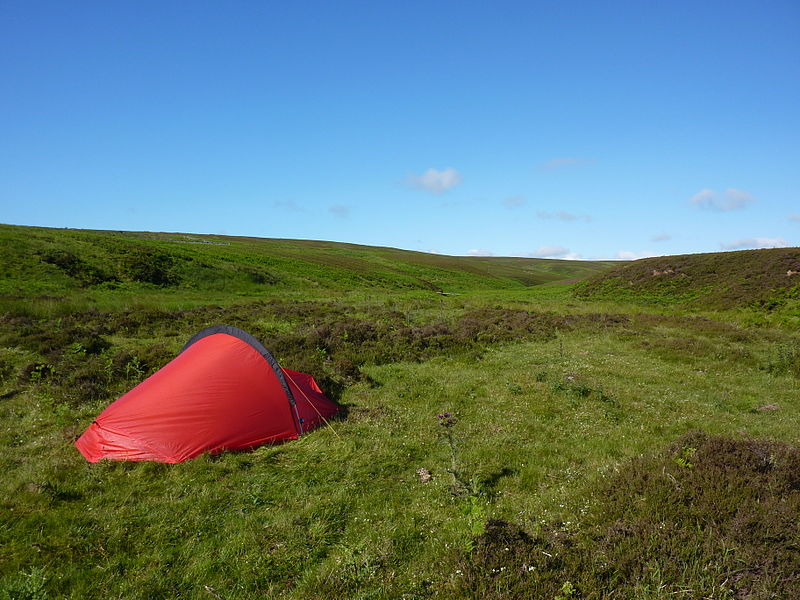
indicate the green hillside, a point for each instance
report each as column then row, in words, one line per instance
column 757, row 278
column 39, row 261
column 595, row 449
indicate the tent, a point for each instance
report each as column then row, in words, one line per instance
column 224, row 391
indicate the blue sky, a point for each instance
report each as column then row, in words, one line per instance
column 553, row 129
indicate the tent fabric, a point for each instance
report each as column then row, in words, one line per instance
column 224, row 391
column 311, row 403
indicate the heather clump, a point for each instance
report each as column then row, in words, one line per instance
column 709, row 515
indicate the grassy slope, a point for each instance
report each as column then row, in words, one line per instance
column 554, row 399
column 719, row 280
column 38, row 261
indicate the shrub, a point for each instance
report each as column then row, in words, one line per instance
column 77, row 268
column 147, row 265
column 53, row 337
column 698, row 515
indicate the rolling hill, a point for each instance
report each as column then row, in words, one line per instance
column 759, row 278
column 46, row 261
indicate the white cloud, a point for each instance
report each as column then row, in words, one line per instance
column 703, row 197
column 480, row 252
column 553, row 252
column 436, row 182
column 661, row 237
column 340, row 210
column 755, row 242
column 732, row 199
column 567, row 161
column 514, row 201
column 794, row 217
column 737, row 199
column 630, row 255
column 562, row 215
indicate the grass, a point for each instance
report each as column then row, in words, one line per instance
column 701, row 520
column 92, row 265
column 766, row 279
column 618, row 450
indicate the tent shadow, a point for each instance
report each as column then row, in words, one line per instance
column 334, row 391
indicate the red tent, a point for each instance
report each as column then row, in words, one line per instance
column 224, row 391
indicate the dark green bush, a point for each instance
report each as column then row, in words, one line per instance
column 7, row 369
column 77, row 268
column 259, row 275
column 53, row 337
column 147, row 265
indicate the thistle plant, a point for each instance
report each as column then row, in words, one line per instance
column 461, row 486
column 473, row 509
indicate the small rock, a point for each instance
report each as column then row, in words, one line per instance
column 424, row 475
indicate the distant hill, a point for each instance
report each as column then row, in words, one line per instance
column 764, row 278
column 43, row 261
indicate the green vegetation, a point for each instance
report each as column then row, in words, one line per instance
column 716, row 527
column 39, row 263
column 760, row 278
column 501, row 437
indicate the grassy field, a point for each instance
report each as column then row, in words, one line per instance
column 601, row 444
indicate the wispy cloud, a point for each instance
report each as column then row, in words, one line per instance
column 566, row 161
column 703, row 197
column 514, row 201
column 288, row 205
column 436, row 182
column 737, row 198
column 755, row 242
column 553, row 252
column 480, row 252
column 661, row 237
column 562, row 215
column 340, row 210
column 731, row 199
column 794, row 217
